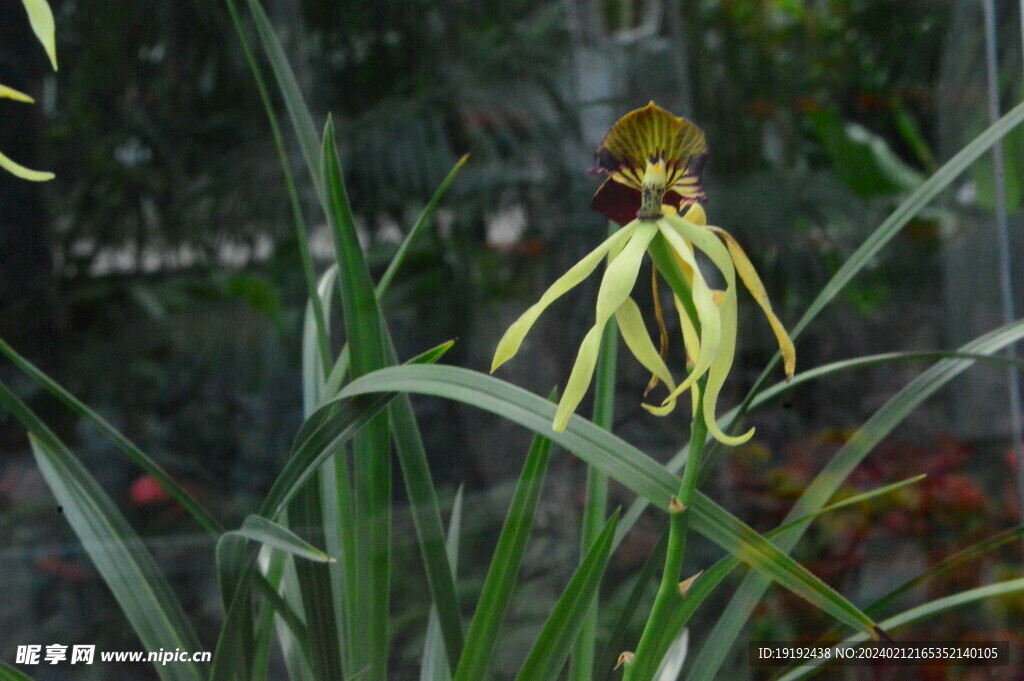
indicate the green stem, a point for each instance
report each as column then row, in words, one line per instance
column 645, row 663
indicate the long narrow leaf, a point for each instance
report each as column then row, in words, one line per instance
column 119, row 555
column 434, row 664
column 712, row 577
column 881, row 423
column 421, row 223
column 298, row 112
column 621, row 461
column 677, row 462
column 922, row 612
column 549, row 653
column 11, row 674
column 301, row 231
column 267, row 532
column 499, row 585
column 194, row 508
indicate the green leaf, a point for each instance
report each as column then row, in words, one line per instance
column 676, row 463
column 619, row 460
column 298, row 112
column 434, row 663
column 120, row 557
column 140, row 458
column 921, row 612
column 8, row 673
column 549, row 653
column 881, row 423
column 301, row 232
column 322, row 434
column 906, row 211
column 408, row 447
column 267, row 532
column 861, row 159
column 712, row 577
column 500, row 583
column 421, row 223
column 371, row 469
column 970, row 553
column 617, row 640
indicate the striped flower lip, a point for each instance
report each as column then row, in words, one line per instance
column 642, row 139
column 709, row 335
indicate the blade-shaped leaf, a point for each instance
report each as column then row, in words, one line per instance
column 500, row 583
column 298, row 112
column 921, row 612
column 549, row 653
column 370, row 496
column 267, row 532
column 127, row 568
column 195, row 509
column 850, row 455
column 712, row 577
column 421, row 222
column 434, row 663
column 621, row 461
column 676, row 463
column 8, row 673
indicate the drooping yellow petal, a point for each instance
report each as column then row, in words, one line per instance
column 705, row 240
column 41, row 18
column 696, row 215
column 509, row 344
column 690, row 339
column 23, row 172
column 634, row 332
column 753, row 283
column 707, row 313
column 11, row 93
column 619, row 279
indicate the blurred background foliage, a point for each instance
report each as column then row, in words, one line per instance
column 158, row 277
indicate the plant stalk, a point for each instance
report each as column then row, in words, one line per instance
column 644, row 663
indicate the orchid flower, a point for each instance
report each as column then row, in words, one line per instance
column 41, row 18
column 654, row 162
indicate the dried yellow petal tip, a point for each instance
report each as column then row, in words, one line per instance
column 625, row 658
column 687, row 584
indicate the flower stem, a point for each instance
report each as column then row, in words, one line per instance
column 646, row 658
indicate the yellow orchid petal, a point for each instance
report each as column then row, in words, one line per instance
column 579, row 379
column 753, row 283
column 619, row 279
column 705, row 240
column 695, row 214
column 23, row 172
column 41, row 18
column 509, row 344
column 11, row 93
column 719, row 371
column 707, row 312
column 690, row 339
column 634, row 332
